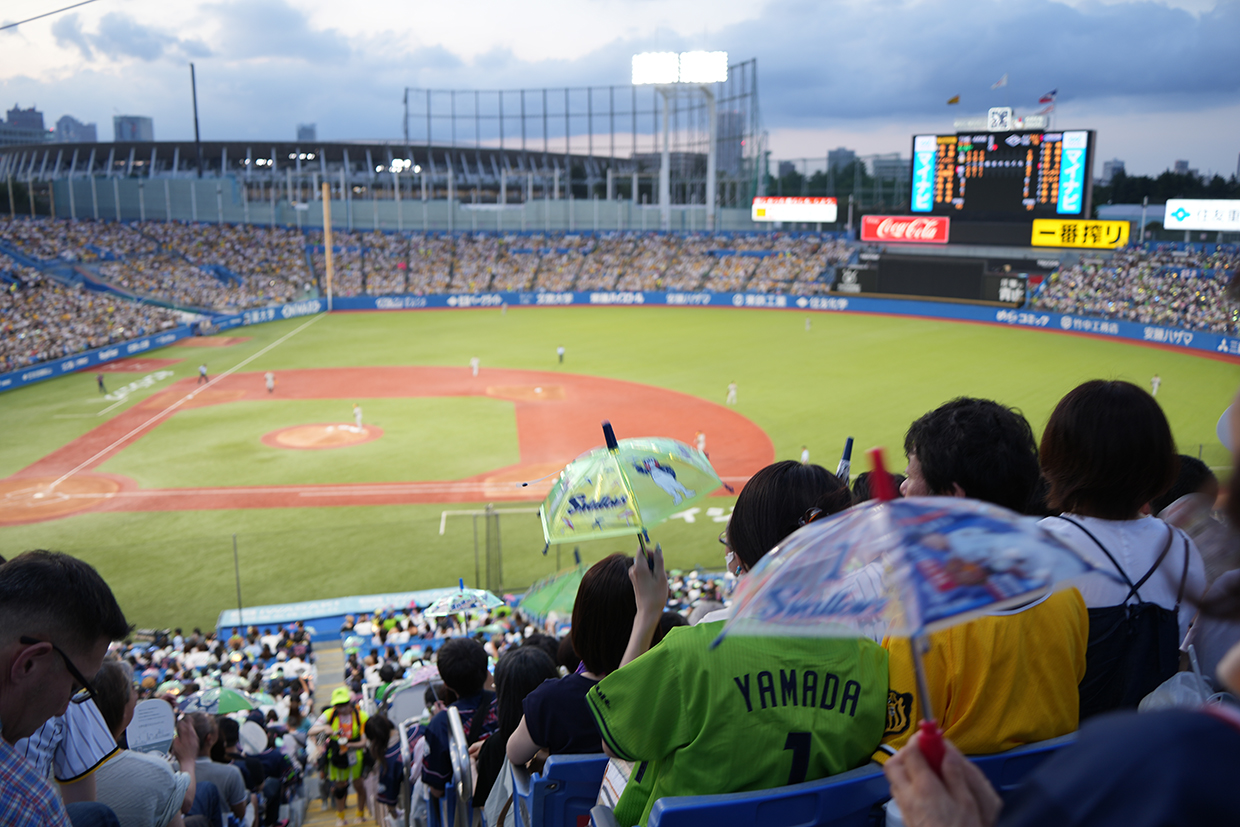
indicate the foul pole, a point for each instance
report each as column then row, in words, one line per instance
column 327, row 238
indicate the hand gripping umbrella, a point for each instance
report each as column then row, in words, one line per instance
column 620, row 489
column 901, row 567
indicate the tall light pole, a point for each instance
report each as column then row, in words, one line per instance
column 193, row 83
column 669, row 72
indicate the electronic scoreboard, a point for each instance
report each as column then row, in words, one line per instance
column 1003, row 175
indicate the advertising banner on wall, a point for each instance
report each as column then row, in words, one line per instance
column 824, row 210
column 905, row 229
column 1202, row 214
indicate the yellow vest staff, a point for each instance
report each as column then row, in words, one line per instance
column 327, row 238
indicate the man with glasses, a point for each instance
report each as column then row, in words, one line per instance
column 57, row 617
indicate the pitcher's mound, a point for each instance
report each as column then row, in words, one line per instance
column 322, row 435
column 32, row 499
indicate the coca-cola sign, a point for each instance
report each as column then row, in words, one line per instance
column 905, row 229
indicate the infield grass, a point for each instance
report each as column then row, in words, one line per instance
column 850, row 375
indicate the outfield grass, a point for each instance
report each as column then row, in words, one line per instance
column 851, row 375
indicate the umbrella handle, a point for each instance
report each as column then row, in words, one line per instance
column 931, row 745
column 610, row 436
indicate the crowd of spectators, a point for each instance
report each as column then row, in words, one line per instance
column 42, row 319
column 227, row 268
column 1171, row 288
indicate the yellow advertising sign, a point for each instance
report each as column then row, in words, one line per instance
column 1102, row 235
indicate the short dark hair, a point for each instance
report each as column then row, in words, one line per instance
column 1107, row 450
column 667, row 622
column 861, row 486
column 545, row 642
column 518, row 673
column 463, row 665
column 230, row 731
column 53, row 594
column 986, row 448
column 113, row 684
column 603, row 614
column 774, row 500
column 1193, row 476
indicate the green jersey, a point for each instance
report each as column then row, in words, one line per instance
column 751, row 714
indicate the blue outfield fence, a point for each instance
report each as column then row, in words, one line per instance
column 1133, row 331
column 90, row 358
column 1191, row 340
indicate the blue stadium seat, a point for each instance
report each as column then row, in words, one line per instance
column 843, row 800
column 1006, row 770
column 561, row 794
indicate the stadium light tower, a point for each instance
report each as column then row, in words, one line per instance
column 670, row 72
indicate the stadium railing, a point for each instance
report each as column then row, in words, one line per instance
column 561, row 794
column 845, row 800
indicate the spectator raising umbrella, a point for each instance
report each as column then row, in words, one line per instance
column 904, row 568
column 623, row 488
column 462, row 601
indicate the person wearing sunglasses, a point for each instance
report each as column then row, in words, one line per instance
column 57, row 617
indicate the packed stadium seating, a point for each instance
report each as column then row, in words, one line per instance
column 1162, row 287
column 226, row 268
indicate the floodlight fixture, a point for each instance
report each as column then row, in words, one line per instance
column 656, row 67
column 684, row 67
column 703, row 67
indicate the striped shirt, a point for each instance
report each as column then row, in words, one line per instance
column 26, row 798
column 70, row 746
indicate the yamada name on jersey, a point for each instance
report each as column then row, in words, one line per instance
column 766, row 689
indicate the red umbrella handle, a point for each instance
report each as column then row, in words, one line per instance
column 931, row 744
column 882, row 486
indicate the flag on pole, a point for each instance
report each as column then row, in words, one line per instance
column 1049, row 97
column 1047, row 110
column 953, row 99
column 1000, row 82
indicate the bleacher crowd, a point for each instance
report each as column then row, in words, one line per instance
column 228, row 268
column 1172, row 288
column 634, row 673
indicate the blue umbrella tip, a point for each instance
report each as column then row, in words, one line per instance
column 461, row 582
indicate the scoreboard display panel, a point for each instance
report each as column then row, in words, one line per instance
column 1003, row 175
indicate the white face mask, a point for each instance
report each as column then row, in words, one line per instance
column 732, row 564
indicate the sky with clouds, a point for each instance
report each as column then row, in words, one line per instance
column 1158, row 80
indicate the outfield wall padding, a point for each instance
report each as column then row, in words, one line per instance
column 1192, row 340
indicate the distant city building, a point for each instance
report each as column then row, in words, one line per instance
column 132, row 128
column 307, row 132
column 839, row 158
column 1110, row 169
column 786, row 168
column 1181, row 168
column 890, row 167
column 31, row 118
column 23, row 126
column 69, row 130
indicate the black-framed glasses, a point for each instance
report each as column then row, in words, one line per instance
column 84, row 692
column 723, row 539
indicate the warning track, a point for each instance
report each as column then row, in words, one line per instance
column 557, row 417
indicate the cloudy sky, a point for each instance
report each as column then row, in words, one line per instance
column 1158, row 80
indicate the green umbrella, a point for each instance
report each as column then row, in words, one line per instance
column 556, row 593
column 263, row 698
column 169, row 687
column 491, row 628
column 217, row 701
column 623, row 488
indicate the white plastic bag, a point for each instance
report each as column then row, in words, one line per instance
column 1183, row 690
